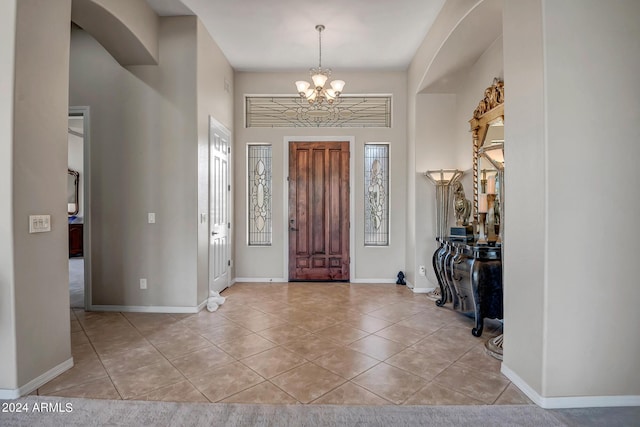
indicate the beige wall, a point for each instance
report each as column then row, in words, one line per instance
column 149, row 151
column 525, row 194
column 382, row 263
column 39, row 186
column 143, row 159
column 216, row 100
column 582, row 150
column 8, row 361
column 570, row 71
column 127, row 29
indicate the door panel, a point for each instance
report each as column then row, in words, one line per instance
column 219, row 144
column 319, row 211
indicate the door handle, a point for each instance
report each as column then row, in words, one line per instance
column 213, row 233
column 293, row 229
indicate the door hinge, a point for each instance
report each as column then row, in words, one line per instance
column 229, row 263
column 229, row 225
column 229, row 150
column 229, row 187
column 287, row 178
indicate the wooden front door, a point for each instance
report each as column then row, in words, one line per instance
column 318, row 211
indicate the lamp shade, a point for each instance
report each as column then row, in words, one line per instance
column 319, row 80
column 443, row 176
column 302, row 86
column 495, row 154
column 337, row 86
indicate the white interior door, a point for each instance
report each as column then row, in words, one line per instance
column 219, row 189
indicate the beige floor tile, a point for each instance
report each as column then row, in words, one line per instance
column 427, row 367
column 82, row 372
column 367, row 323
column 181, row 345
column 101, row 388
column 263, row 393
column 316, row 323
column 327, row 323
column 260, row 322
column 435, row 394
column 200, row 362
column 100, row 319
column 183, row 391
column 75, row 325
column 246, row 346
column 390, row 382
column 227, row 380
column 128, row 360
column 346, row 362
column 424, row 321
column 225, row 333
column 307, row 382
column 311, row 346
column 284, row 333
column 82, row 352
column 350, row 394
column 394, row 312
column 513, row 396
column 342, row 334
column 108, row 348
column 377, row 347
column 401, row 334
column 146, row 322
column 476, row 384
column 478, row 359
column 273, row 362
column 79, row 338
column 145, row 379
column 436, row 345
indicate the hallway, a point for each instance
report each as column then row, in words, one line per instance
column 289, row 343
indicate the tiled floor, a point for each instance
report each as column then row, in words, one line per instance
column 287, row 343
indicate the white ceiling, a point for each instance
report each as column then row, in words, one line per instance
column 280, row 35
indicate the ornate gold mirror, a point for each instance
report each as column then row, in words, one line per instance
column 73, row 203
column 487, row 127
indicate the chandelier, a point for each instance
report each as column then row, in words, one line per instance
column 317, row 93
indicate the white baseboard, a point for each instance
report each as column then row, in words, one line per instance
column 422, row 290
column 373, row 281
column 146, row 308
column 37, row 382
column 260, row 280
column 568, row 401
column 202, row 305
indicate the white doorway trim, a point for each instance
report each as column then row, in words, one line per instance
column 285, row 184
column 84, row 111
column 224, row 279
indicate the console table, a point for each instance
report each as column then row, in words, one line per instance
column 470, row 277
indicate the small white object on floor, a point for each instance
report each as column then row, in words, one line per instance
column 214, row 301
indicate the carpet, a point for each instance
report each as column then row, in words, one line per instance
column 86, row 412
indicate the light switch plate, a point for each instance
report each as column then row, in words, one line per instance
column 39, row 223
column 152, row 218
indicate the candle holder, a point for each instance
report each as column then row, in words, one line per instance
column 482, row 237
column 491, row 219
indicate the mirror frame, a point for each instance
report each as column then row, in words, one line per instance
column 489, row 110
column 76, row 178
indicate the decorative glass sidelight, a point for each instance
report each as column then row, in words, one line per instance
column 259, row 191
column 376, row 197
